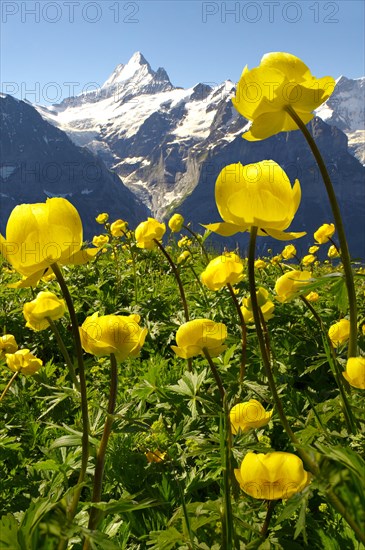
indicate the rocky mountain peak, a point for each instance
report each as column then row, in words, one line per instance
column 121, row 73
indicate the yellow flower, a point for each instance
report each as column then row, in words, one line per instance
column 265, row 304
column 195, row 335
column 289, row 252
column 339, row 332
column 118, row 228
column 312, row 297
column 275, row 260
column 184, row 242
column 183, row 256
column 176, row 222
column 112, row 334
column 267, row 311
column 48, row 278
column 245, row 416
column 155, row 456
column 272, row 476
column 260, row 264
column 333, row 252
column 23, row 361
column 102, row 218
column 258, row 194
column 38, row 235
column 324, row 233
column 308, row 259
column 100, row 240
column 7, row 344
column 147, row 231
column 46, row 304
column 222, row 270
column 355, row 372
column 313, row 249
column 291, row 284
column 281, row 80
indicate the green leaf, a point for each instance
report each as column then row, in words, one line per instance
column 9, row 533
column 339, row 291
column 345, row 456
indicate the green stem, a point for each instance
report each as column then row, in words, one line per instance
column 100, row 458
column 8, row 385
column 346, row 408
column 243, row 330
column 64, row 352
column 130, row 246
column 177, row 277
column 345, row 255
column 342, row 510
column 189, row 531
column 226, row 442
column 215, row 373
column 198, row 241
column 117, row 267
column 84, row 405
column 265, row 355
column 310, row 464
column 270, row 509
column 180, row 285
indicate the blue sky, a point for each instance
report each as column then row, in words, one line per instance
column 48, row 44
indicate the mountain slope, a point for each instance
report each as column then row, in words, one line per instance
column 38, row 161
column 291, row 151
column 155, row 136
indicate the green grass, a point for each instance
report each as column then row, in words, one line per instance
column 181, row 501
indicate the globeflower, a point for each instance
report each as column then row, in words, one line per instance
column 183, row 256
column 265, row 304
column 176, row 222
column 245, row 416
column 100, row 240
column 289, row 252
column 355, row 372
column 118, row 228
column 260, row 264
column 102, row 218
column 223, row 270
column 313, row 249
column 117, row 334
column 312, row 296
column 23, row 361
column 45, row 306
column 339, row 332
column 308, row 259
column 38, row 235
column 281, row 81
column 272, row 476
column 192, row 337
column 7, row 344
column 258, row 194
column 292, row 283
column 333, row 252
column 324, row 233
column 155, row 456
column 148, row 232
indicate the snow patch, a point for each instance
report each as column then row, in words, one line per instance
column 6, row 171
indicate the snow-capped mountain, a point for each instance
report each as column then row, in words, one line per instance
column 346, row 110
column 38, row 161
column 168, row 144
column 155, row 136
column 148, row 131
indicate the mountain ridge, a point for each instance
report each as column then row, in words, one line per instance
column 166, row 144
